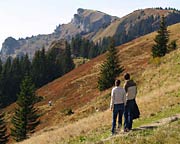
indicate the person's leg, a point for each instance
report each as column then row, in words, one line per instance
column 131, row 114
column 129, row 125
column 121, row 112
column 126, row 117
column 114, row 117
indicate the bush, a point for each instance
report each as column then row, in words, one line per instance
column 68, row 111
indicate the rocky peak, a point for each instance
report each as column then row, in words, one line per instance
column 80, row 11
column 9, row 46
column 91, row 20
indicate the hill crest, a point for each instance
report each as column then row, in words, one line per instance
column 93, row 25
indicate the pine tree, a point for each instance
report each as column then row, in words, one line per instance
column 172, row 46
column 159, row 49
column 76, row 44
column 67, row 62
column 110, row 69
column 5, row 83
column 16, row 78
column 3, row 130
column 39, row 68
column 25, row 119
column 53, row 66
column 1, row 98
column 93, row 52
column 25, row 65
column 0, row 66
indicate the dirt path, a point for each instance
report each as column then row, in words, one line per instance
column 155, row 124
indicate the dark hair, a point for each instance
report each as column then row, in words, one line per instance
column 117, row 82
column 127, row 76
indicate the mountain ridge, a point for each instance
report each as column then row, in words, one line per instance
column 93, row 25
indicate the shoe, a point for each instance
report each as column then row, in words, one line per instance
column 119, row 128
column 112, row 134
column 126, row 130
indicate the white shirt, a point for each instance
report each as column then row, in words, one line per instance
column 118, row 96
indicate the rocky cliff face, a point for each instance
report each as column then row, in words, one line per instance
column 85, row 22
column 94, row 25
column 9, row 46
column 91, row 21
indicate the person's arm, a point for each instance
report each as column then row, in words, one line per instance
column 124, row 98
column 125, row 87
column 112, row 100
column 136, row 89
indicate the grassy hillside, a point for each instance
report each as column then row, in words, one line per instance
column 158, row 97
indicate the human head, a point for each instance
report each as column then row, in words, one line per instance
column 127, row 76
column 117, row 82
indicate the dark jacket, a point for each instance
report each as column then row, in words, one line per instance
column 136, row 112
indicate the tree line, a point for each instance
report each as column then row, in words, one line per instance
column 167, row 8
column 44, row 67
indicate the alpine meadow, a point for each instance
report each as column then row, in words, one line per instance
column 56, row 88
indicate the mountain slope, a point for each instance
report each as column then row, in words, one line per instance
column 158, row 94
column 79, row 86
column 95, row 26
column 138, row 23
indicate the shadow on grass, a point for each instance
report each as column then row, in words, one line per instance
column 144, row 128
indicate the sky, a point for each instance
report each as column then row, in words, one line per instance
column 24, row 18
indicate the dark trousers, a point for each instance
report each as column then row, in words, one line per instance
column 128, row 114
column 117, row 111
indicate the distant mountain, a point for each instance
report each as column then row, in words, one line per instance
column 138, row 23
column 85, row 22
column 93, row 25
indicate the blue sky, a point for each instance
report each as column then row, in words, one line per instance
column 22, row 18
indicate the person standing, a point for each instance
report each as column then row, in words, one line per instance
column 118, row 100
column 131, row 106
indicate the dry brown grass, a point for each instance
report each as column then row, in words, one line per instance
column 58, row 135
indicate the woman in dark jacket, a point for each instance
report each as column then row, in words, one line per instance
column 131, row 108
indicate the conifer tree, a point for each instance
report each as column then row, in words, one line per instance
column 39, row 68
column 76, row 44
column 53, row 66
column 67, row 62
column 25, row 65
column 0, row 66
column 159, row 49
column 1, row 98
column 25, row 118
column 3, row 130
column 93, row 52
column 5, row 83
column 172, row 46
column 110, row 69
column 16, row 78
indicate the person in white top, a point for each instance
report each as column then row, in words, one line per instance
column 118, row 101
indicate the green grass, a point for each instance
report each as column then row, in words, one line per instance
column 92, row 136
column 142, row 136
column 163, row 114
column 168, row 134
